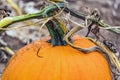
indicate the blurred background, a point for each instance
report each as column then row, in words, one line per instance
column 17, row 38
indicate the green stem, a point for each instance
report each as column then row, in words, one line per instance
column 53, row 40
column 9, row 20
column 83, row 16
column 42, row 14
column 117, row 31
column 55, row 30
column 59, row 30
column 56, row 33
column 58, row 27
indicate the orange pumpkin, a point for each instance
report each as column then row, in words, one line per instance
column 41, row 61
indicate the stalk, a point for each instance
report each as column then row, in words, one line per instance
column 43, row 13
column 56, row 33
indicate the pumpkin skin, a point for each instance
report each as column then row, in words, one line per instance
column 57, row 63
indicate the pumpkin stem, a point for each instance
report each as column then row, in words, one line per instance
column 56, row 32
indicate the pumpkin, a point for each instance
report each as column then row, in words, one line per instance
column 55, row 60
column 41, row 61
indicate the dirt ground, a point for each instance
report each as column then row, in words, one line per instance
column 15, row 39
